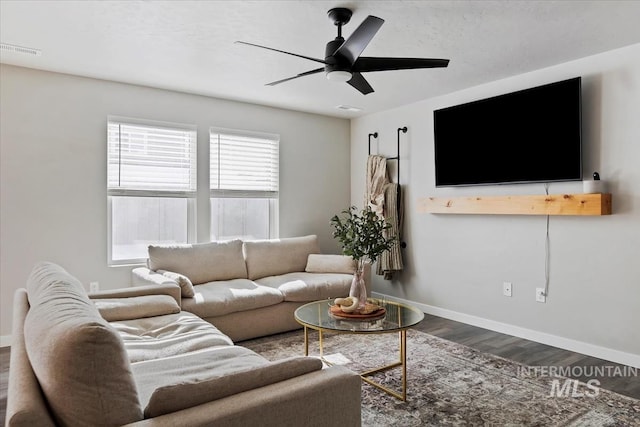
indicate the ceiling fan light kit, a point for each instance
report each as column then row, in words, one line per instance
column 339, row 76
column 343, row 63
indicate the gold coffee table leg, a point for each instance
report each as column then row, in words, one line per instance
column 402, row 362
column 402, row 344
column 403, row 357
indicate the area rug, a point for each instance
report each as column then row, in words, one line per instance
column 449, row 384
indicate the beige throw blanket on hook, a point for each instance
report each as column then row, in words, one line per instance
column 385, row 199
column 376, row 181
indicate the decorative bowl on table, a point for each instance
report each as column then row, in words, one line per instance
column 370, row 311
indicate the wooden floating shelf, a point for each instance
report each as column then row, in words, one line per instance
column 544, row 204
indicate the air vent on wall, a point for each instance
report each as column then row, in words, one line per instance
column 6, row 47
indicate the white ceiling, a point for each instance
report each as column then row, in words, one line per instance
column 189, row 46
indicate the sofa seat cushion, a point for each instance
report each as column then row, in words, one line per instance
column 78, row 358
column 112, row 309
column 229, row 296
column 169, row 335
column 303, row 286
column 184, row 381
column 200, row 262
column 278, row 256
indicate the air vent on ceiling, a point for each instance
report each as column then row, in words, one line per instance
column 6, row 47
column 348, row 108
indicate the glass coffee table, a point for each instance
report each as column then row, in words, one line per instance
column 396, row 318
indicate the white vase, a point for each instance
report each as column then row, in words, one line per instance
column 358, row 287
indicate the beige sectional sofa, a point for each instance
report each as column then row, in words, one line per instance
column 133, row 357
column 249, row 289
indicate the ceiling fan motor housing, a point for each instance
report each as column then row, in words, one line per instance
column 335, row 62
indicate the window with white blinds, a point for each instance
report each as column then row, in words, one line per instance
column 151, row 158
column 151, row 186
column 243, row 163
column 243, row 182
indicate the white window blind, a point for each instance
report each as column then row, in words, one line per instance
column 159, row 159
column 243, row 164
column 151, row 186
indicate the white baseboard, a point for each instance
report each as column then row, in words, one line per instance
column 616, row 356
column 5, row 340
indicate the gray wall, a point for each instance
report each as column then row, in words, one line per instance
column 53, row 169
column 456, row 264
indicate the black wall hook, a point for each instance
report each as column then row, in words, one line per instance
column 397, row 156
column 375, row 135
column 403, row 130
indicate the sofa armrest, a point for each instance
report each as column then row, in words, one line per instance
column 26, row 405
column 171, row 289
column 303, row 400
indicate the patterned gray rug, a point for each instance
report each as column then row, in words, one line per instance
column 453, row 385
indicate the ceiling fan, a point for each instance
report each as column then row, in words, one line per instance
column 343, row 62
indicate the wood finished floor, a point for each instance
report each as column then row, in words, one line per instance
column 529, row 352
column 506, row 346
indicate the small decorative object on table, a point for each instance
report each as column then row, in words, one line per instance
column 347, row 308
column 362, row 238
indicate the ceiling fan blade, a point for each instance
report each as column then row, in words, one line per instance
column 282, row 51
column 359, row 82
column 360, row 38
column 306, row 73
column 365, row 64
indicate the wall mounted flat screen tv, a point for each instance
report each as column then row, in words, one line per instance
column 532, row 135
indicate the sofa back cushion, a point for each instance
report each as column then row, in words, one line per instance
column 278, row 256
column 201, row 262
column 320, row 263
column 78, row 358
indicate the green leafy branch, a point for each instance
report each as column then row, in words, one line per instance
column 362, row 235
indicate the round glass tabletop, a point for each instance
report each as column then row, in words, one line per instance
column 397, row 317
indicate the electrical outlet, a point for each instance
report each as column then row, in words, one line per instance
column 94, row 286
column 540, row 295
column 506, row 289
